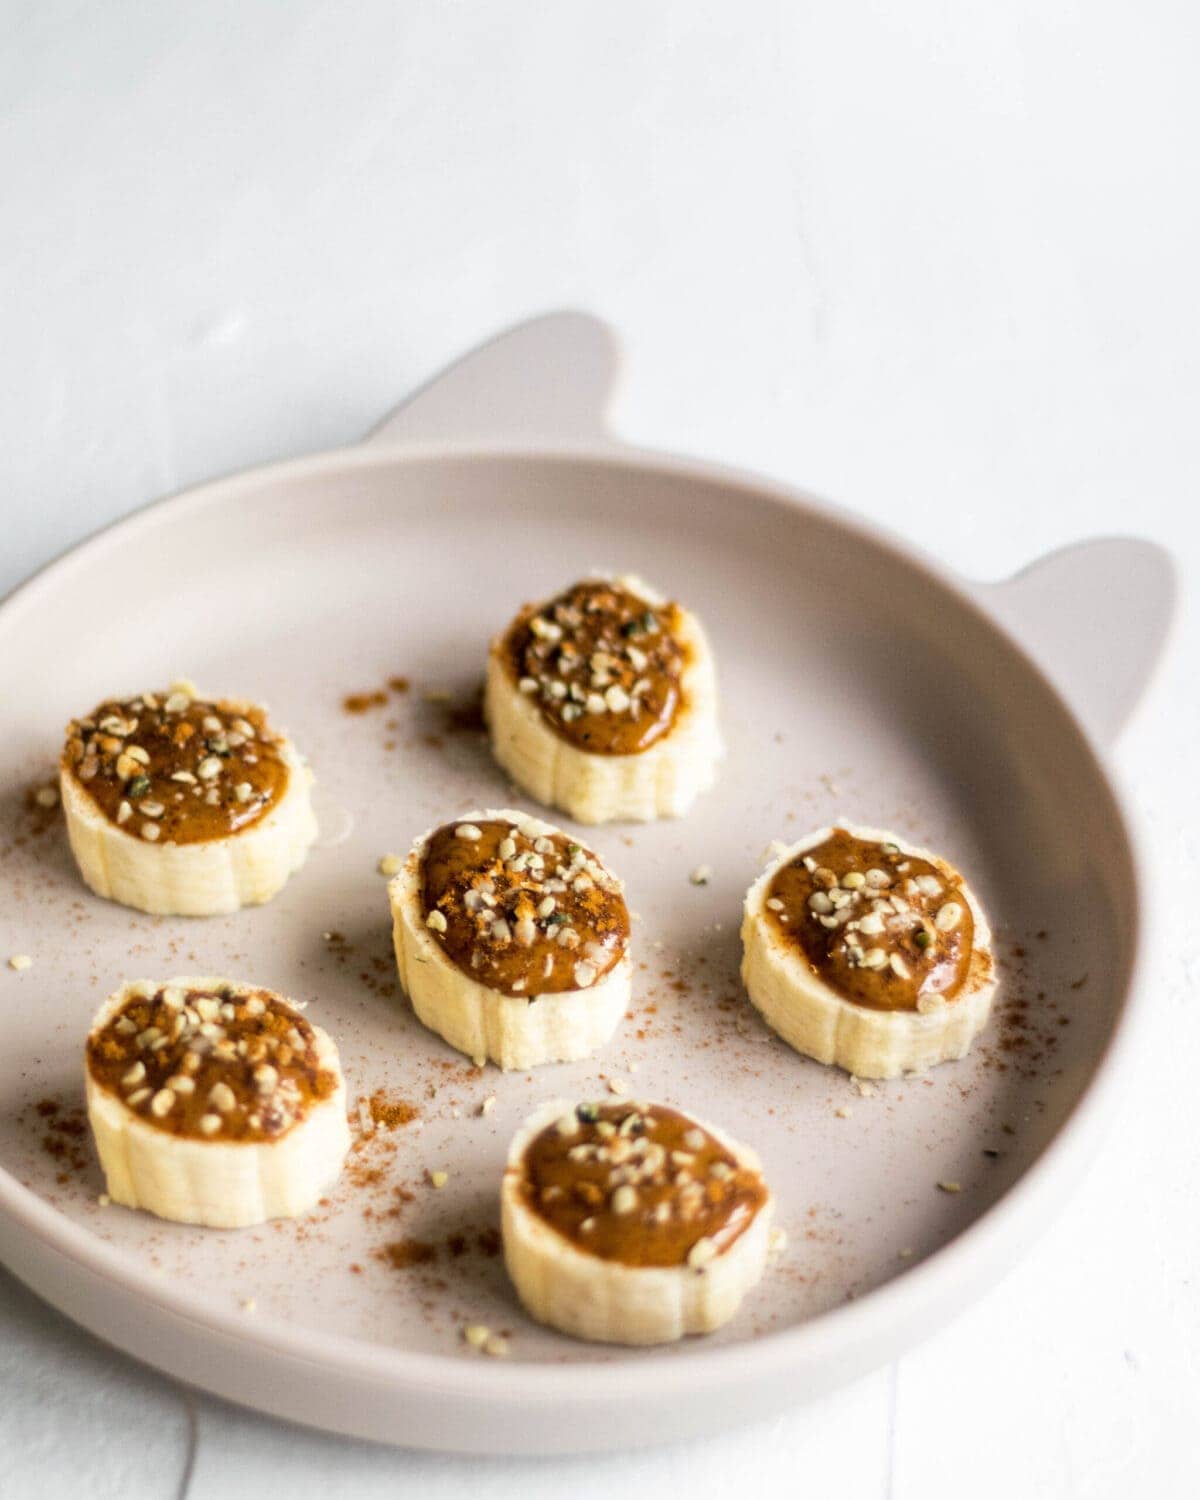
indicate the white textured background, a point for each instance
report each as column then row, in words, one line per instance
column 936, row 260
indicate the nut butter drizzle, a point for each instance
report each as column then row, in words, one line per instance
column 227, row 1064
column 522, row 911
column 640, row 1184
column 176, row 768
column 603, row 666
column 880, row 926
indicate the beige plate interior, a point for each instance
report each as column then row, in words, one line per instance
column 857, row 683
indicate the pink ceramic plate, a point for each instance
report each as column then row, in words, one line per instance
column 859, row 681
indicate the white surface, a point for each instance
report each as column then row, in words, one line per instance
column 934, row 262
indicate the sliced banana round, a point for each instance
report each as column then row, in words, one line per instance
column 512, row 939
column 603, row 702
column 213, row 1102
column 862, row 950
column 184, row 806
column 631, row 1223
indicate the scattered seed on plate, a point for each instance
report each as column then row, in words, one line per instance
column 20, row 961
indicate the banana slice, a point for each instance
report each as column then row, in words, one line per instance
column 631, row 1223
column 213, row 1103
column 869, row 953
column 603, row 702
column 512, row 940
column 182, row 806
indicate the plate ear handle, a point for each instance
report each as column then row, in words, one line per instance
column 544, row 383
column 1096, row 616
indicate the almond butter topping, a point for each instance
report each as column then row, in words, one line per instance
column 521, row 911
column 175, row 769
column 251, row 1075
column 880, row 926
column 617, row 1181
column 603, row 666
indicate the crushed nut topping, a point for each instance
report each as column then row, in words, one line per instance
column 603, row 666
column 640, row 1184
column 520, row 910
column 175, row 768
column 881, row 926
column 232, row 1064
